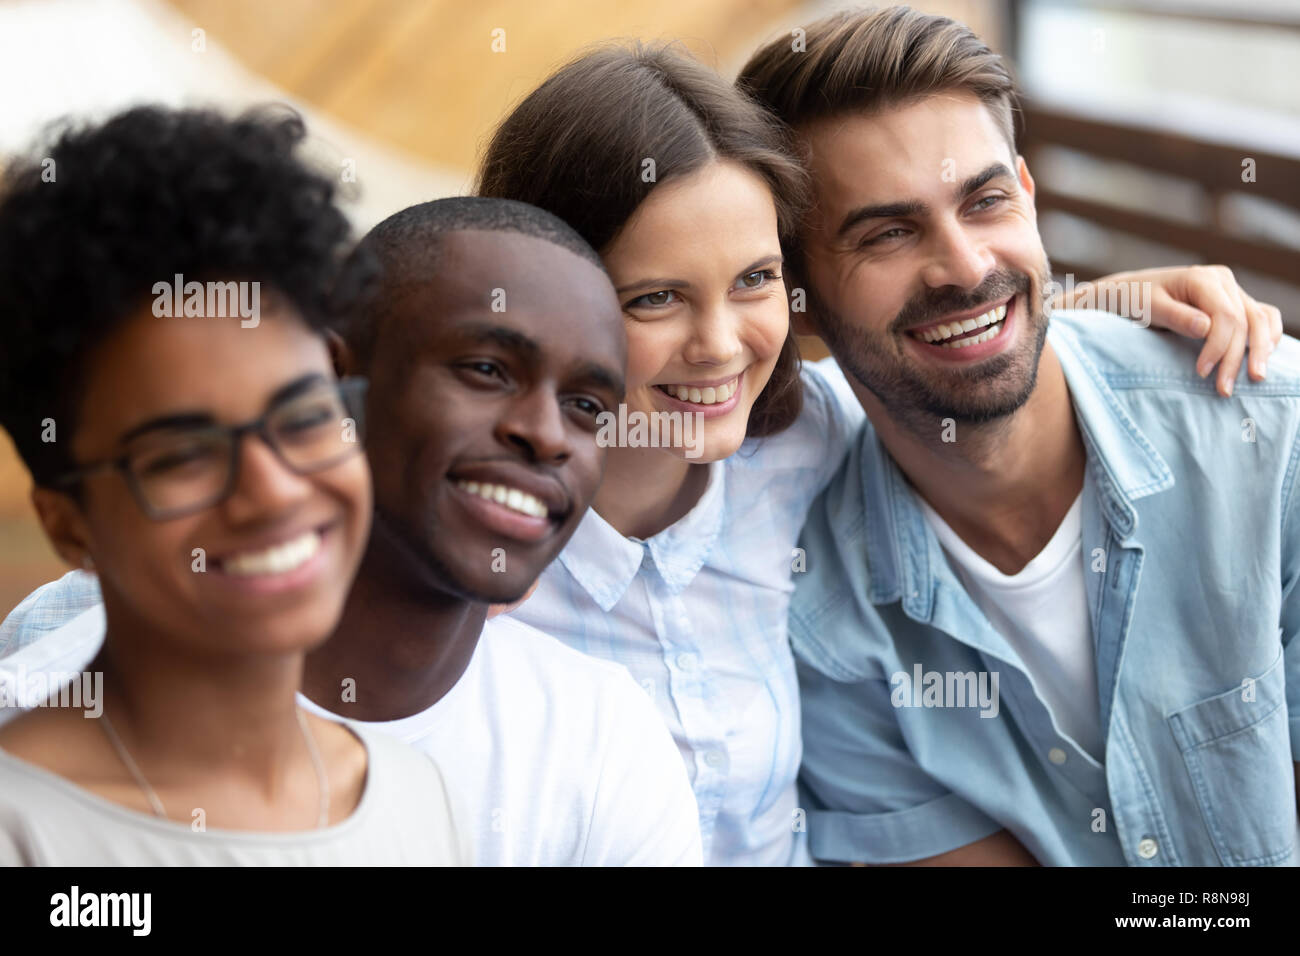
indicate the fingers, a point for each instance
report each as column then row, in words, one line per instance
column 1230, row 363
column 1262, row 340
column 1226, row 341
column 1180, row 317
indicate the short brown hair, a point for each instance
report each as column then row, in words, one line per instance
column 575, row 147
column 865, row 60
column 860, row 61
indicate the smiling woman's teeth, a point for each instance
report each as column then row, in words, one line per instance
column 938, row 333
column 701, row 396
column 276, row 560
column 512, row 498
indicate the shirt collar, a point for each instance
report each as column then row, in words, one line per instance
column 1126, row 465
column 604, row 562
column 901, row 563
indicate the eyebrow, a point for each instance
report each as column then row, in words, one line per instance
column 682, row 284
column 760, row 263
column 652, row 284
column 914, row 207
column 181, row 420
column 504, row 336
column 601, row 376
column 528, row 349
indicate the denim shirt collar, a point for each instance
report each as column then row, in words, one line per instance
column 903, row 557
column 605, row 563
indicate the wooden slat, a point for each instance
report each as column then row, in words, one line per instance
column 1215, row 166
column 1215, row 246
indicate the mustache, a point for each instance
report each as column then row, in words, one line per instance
column 933, row 305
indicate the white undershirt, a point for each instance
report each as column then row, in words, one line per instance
column 1042, row 611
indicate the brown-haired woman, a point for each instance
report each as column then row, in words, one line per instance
column 682, row 569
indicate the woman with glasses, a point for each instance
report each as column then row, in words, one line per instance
column 208, row 467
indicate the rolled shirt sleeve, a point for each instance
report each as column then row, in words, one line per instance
column 867, row 799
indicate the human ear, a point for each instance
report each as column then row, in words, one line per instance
column 65, row 526
column 1026, row 180
column 342, row 356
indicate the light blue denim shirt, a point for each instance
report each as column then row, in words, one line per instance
column 1192, row 551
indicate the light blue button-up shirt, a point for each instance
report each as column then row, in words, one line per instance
column 1192, row 549
column 697, row 614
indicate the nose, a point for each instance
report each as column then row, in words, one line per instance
column 534, row 423
column 264, row 485
column 714, row 337
column 959, row 258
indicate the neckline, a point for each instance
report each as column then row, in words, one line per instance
column 1042, row 566
column 415, row 725
column 176, row 829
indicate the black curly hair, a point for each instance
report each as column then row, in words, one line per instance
column 130, row 202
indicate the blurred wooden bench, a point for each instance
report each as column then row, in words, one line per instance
column 1216, row 169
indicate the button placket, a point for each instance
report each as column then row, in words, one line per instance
column 682, row 660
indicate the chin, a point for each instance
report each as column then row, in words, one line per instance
column 471, row 579
column 717, row 443
column 717, row 447
column 502, row 589
column 302, row 634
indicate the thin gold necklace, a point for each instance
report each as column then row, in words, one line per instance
column 322, row 781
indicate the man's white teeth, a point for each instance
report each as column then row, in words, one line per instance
column 711, row 395
column 512, row 498
column 275, row 560
column 973, row 340
column 938, row 333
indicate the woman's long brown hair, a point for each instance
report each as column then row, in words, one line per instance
column 581, row 145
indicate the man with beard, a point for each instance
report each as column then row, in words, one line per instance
column 1050, row 607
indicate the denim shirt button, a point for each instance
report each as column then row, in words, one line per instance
column 713, row 759
column 1056, row 755
column 1147, row 848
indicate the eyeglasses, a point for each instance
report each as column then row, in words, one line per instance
column 178, row 471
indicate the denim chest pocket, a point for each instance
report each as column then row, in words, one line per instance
column 1237, row 749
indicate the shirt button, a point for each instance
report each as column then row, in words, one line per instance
column 687, row 661
column 1147, row 848
column 713, row 759
column 1056, row 755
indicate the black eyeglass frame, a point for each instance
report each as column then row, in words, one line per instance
column 351, row 392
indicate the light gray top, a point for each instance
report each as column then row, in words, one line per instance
column 404, row 818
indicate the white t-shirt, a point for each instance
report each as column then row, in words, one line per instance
column 1042, row 611
column 552, row 758
column 559, row 758
column 404, row 818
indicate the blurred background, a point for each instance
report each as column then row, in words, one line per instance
column 1159, row 131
